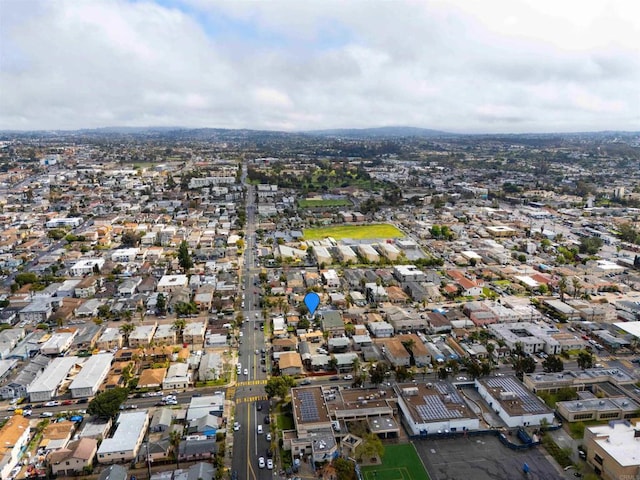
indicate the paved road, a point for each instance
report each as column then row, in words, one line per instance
column 249, row 394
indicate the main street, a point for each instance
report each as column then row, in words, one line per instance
column 249, row 393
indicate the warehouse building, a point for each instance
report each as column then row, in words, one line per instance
column 93, row 373
column 45, row 386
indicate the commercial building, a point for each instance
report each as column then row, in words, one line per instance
column 93, row 373
column 125, row 443
column 532, row 337
column 578, row 379
column 613, row 450
column 434, row 408
column 513, row 403
column 45, row 386
column 13, row 436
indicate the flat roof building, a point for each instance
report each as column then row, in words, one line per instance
column 45, row 386
column 513, row 403
column 125, row 443
column 93, row 373
column 613, row 450
column 434, row 408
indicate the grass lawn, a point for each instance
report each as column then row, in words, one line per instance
column 400, row 462
column 284, row 421
column 356, row 232
column 318, row 202
column 502, row 283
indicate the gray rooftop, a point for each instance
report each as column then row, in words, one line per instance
column 127, row 433
column 92, row 371
column 53, row 375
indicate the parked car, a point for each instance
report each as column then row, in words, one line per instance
column 46, row 415
column 261, row 463
column 268, row 436
column 52, row 403
column 236, row 426
column 348, row 377
column 269, row 464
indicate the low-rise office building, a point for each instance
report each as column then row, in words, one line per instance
column 125, row 443
column 612, row 450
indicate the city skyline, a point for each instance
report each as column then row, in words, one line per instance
column 510, row 67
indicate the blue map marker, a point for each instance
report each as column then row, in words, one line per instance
column 312, row 300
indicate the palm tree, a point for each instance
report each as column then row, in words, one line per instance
column 126, row 329
column 576, row 286
column 179, row 325
column 562, row 285
column 174, row 439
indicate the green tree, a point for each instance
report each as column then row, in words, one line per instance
column 523, row 364
column 107, row 404
column 25, row 278
column 175, row 438
column 184, row 257
column 370, row 447
column 126, row 329
column 590, row 245
column 279, row 386
column 178, row 326
column 378, row 373
column 161, row 304
column 552, row 363
column 130, row 239
column 585, row 360
column 345, row 469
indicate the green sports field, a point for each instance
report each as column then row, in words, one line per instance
column 400, row 462
column 355, row 232
column 317, row 202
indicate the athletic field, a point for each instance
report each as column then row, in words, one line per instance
column 400, row 462
column 355, row 232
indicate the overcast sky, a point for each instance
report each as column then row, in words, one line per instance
column 455, row 65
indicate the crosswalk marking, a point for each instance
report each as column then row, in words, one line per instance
column 257, row 398
column 231, row 392
column 251, row 382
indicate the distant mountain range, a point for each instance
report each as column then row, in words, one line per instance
column 380, row 132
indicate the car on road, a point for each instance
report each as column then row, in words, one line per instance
column 259, row 429
column 335, row 378
column 259, row 407
column 269, row 464
column 264, row 368
column 257, row 352
column 246, row 371
column 269, row 453
column 267, row 420
column 52, row 403
column 348, row 377
column 268, row 436
column 26, row 413
column 236, row 426
column 46, row 415
column 234, row 475
column 68, row 402
column 306, row 381
column 261, row 462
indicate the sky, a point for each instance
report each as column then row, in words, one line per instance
column 467, row 66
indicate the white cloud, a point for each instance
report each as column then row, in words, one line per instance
column 519, row 65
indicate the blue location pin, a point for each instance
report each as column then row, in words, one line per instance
column 312, row 300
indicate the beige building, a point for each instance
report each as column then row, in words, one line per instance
column 142, row 335
column 111, row 338
column 125, row 443
column 73, row 459
column 13, row 436
column 290, row 363
column 613, row 450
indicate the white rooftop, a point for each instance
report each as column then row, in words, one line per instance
column 92, row 371
column 53, row 375
column 617, row 439
column 630, row 327
column 126, row 435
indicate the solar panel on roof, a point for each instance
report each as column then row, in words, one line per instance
column 308, row 407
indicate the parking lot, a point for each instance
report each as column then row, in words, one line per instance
column 483, row 458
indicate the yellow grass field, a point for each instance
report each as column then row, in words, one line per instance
column 356, row 232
